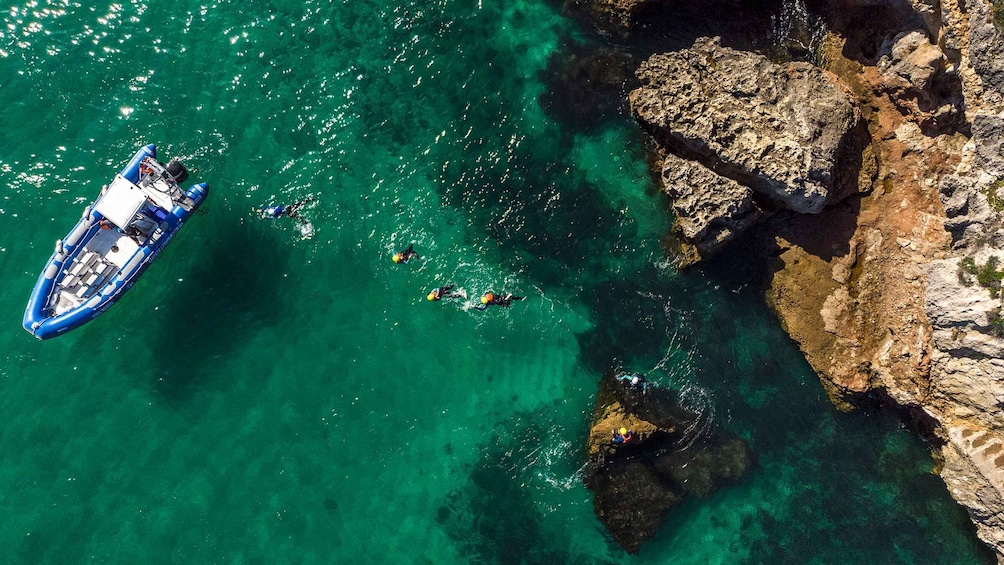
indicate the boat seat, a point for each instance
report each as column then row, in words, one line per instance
column 80, row 292
column 70, row 280
column 78, row 267
column 91, row 279
column 101, row 267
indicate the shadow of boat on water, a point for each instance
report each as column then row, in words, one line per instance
column 221, row 303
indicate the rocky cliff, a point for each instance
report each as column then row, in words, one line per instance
column 886, row 252
column 963, row 301
column 910, row 309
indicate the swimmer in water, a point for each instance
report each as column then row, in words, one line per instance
column 492, row 299
column 290, row 210
column 405, row 256
column 444, row 292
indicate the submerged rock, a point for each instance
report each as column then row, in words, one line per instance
column 635, row 483
column 784, row 132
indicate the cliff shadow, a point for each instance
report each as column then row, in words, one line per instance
column 867, row 28
column 222, row 301
column 827, row 235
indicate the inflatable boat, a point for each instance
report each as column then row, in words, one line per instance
column 116, row 239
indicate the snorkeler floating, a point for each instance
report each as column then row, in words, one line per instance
column 492, row 299
column 406, row 255
column 445, row 292
column 291, row 210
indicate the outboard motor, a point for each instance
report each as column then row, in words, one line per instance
column 177, row 171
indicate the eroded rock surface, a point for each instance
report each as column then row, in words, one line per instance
column 635, row 483
column 911, row 310
column 964, row 301
column 740, row 129
column 710, row 209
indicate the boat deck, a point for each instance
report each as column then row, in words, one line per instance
column 100, row 259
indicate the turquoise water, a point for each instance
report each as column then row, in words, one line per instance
column 272, row 393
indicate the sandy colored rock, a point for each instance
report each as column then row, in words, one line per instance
column 901, row 315
column 779, row 129
column 635, row 483
column 710, row 209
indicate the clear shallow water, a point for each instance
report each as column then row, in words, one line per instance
column 277, row 393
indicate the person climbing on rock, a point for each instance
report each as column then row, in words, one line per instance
column 492, row 299
column 623, row 435
column 445, row 292
column 406, row 255
column 290, row 210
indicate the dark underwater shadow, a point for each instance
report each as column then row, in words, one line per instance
column 537, row 208
column 633, row 321
column 587, row 85
column 222, row 302
column 493, row 517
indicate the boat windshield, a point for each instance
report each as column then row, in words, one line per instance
column 120, row 203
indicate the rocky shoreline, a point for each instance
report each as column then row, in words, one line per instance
column 873, row 183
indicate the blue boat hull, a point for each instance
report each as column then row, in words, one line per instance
column 38, row 318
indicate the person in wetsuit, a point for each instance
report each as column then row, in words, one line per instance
column 492, row 299
column 623, row 435
column 289, row 210
column 406, row 255
column 444, row 292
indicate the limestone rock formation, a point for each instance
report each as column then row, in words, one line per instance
column 743, row 126
column 710, row 209
column 891, row 293
column 919, row 79
column 963, row 298
column 913, row 312
column 635, row 483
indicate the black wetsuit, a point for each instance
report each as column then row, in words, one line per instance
column 408, row 254
column 503, row 301
column 444, row 292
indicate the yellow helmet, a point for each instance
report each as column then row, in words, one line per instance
column 396, row 258
column 484, row 299
column 431, row 296
column 623, row 431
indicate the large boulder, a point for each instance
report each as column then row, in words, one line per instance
column 669, row 458
column 786, row 132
